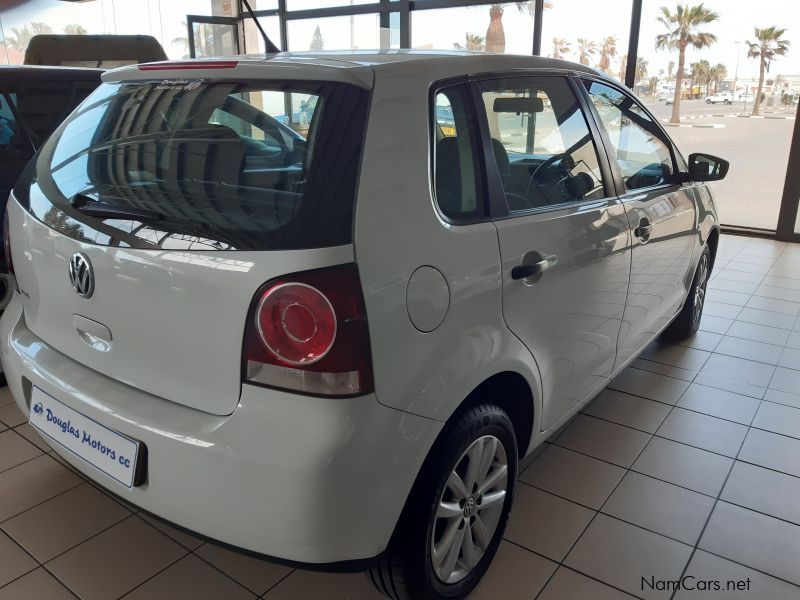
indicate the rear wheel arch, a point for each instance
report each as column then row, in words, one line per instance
column 713, row 244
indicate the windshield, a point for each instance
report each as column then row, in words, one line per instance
column 190, row 164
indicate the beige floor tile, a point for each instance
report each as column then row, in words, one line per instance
column 683, row 465
column 65, row 521
column 785, row 380
column 715, row 324
column 739, row 369
column 772, row 451
column 705, row 566
column 777, row 418
column 191, row 578
column 11, row 415
column 621, row 555
column 758, row 541
column 719, row 403
column 626, row 409
column 730, row 385
column 571, row 585
column 330, row 586
column 660, row 507
column 36, row 585
column 703, row 431
column 115, row 561
column 766, row 317
column 33, row 482
column 574, row 476
column 14, row 561
column 763, row 490
column 758, row 333
column 642, row 364
column 5, row 396
column 255, row 574
column 786, row 398
column 30, row 434
column 649, row 385
column 184, row 539
column 607, row 441
column 750, row 350
column 545, row 523
column 515, row 574
column 15, row 450
column 684, row 357
column 703, row 340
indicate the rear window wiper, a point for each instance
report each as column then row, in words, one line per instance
column 103, row 210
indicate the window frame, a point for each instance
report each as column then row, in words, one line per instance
column 497, row 200
column 678, row 161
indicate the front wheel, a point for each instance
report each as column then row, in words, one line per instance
column 456, row 514
column 687, row 322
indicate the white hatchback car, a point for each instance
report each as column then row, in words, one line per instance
column 319, row 307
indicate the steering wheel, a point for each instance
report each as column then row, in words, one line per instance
column 552, row 188
column 567, row 163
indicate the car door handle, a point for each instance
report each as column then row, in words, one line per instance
column 524, row 271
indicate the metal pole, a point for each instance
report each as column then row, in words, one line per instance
column 633, row 43
column 538, row 14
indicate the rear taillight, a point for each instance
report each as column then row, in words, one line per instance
column 308, row 332
column 9, row 266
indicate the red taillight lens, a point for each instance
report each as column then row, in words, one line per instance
column 308, row 332
column 297, row 323
column 9, row 263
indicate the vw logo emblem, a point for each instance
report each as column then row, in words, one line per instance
column 81, row 275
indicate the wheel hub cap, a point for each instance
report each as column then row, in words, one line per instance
column 469, row 509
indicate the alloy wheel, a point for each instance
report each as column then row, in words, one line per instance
column 469, row 509
column 700, row 289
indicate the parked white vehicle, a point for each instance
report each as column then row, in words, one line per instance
column 722, row 97
column 334, row 343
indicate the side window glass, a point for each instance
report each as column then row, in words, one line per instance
column 641, row 151
column 542, row 144
column 9, row 128
column 456, row 174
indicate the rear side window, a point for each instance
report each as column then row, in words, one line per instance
column 12, row 136
column 456, row 173
column 196, row 165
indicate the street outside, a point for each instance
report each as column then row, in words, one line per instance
column 757, row 149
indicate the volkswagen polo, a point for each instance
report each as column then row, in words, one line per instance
column 331, row 340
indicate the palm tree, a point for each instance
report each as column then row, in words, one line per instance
column 623, row 66
column 641, row 68
column 769, row 45
column 608, row 50
column 75, row 29
column 700, row 73
column 671, row 69
column 496, row 34
column 472, row 43
column 585, row 49
column 560, row 47
column 682, row 31
column 21, row 36
column 717, row 73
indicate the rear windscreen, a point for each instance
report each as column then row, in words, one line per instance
column 197, row 165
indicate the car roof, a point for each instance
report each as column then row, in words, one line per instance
column 359, row 67
column 35, row 72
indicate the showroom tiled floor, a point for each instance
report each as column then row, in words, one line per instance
column 688, row 464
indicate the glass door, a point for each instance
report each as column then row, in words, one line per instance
column 213, row 36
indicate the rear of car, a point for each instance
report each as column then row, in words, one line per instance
column 190, row 328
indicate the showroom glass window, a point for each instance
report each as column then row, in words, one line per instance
column 643, row 155
column 456, row 169
column 542, row 144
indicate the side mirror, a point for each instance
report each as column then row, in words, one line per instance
column 704, row 167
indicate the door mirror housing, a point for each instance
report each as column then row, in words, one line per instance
column 705, row 167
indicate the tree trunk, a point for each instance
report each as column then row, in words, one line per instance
column 496, row 35
column 757, row 99
column 676, row 101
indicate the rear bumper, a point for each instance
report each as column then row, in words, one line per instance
column 298, row 478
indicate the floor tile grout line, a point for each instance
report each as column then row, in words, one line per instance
column 717, row 500
column 154, row 575
column 276, row 584
column 741, row 564
column 597, row 512
column 4, row 521
column 216, row 568
column 63, row 552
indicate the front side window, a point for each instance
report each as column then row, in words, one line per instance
column 641, row 151
column 205, row 165
column 9, row 127
column 456, row 173
column 542, row 144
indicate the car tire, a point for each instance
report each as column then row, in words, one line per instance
column 441, row 508
column 708, row 101
column 686, row 324
column 728, row 102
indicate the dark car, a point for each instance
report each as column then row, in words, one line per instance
column 33, row 102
